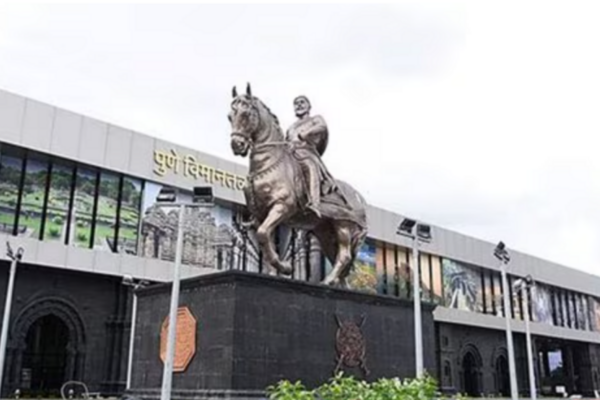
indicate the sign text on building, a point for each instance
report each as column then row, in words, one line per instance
column 170, row 161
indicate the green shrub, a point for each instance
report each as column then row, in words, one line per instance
column 341, row 387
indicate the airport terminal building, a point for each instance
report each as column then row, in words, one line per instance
column 79, row 196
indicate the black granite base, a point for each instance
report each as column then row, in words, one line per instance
column 254, row 330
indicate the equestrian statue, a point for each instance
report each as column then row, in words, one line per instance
column 288, row 184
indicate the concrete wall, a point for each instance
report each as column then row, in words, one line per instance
column 96, row 310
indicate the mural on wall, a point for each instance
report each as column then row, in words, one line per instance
column 462, row 286
column 541, row 304
column 364, row 275
column 213, row 237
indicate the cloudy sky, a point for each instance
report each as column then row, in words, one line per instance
column 482, row 117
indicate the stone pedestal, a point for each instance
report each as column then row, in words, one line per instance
column 253, row 330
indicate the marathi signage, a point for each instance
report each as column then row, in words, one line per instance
column 185, row 339
column 166, row 161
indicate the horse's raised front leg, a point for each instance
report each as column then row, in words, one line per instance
column 264, row 235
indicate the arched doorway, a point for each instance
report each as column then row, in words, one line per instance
column 471, row 378
column 46, row 347
column 502, row 376
column 470, row 371
column 45, row 356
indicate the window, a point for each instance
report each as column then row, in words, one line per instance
column 498, row 303
column 512, row 296
column 404, row 275
column 106, row 212
column 528, row 293
column 425, row 277
column 542, row 305
column 488, row 293
column 565, row 310
column 11, row 168
column 572, row 310
column 518, row 302
column 589, row 305
column 556, row 315
column 436, row 274
column 33, row 197
column 596, row 313
column 390, row 268
column 579, row 311
column 56, row 225
column 129, row 215
column 83, row 206
column 381, row 267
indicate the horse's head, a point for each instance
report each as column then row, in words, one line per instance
column 245, row 121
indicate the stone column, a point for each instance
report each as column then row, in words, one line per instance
column 314, row 257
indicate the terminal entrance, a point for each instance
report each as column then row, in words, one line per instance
column 470, row 369
column 45, row 358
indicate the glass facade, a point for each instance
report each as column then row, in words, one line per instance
column 425, row 271
column 57, row 223
column 53, row 199
column 84, row 206
column 129, row 214
column 11, row 171
column 33, row 198
column 106, row 211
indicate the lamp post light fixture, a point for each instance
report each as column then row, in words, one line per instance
column 503, row 257
column 202, row 196
column 423, row 233
column 524, row 286
column 15, row 258
column 129, row 281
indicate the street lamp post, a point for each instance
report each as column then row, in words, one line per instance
column 202, row 197
column 423, row 233
column 524, row 286
column 503, row 257
column 128, row 281
column 15, row 258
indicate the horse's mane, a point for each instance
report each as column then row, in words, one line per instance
column 268, row 110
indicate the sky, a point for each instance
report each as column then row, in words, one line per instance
column 481, row 117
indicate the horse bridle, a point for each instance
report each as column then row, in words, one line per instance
column 248, row 136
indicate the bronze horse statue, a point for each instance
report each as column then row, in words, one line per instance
column 276, row 192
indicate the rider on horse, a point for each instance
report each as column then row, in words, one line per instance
column 308, row 137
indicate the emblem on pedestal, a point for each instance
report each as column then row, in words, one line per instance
column 185, row 343
column 351, row 345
